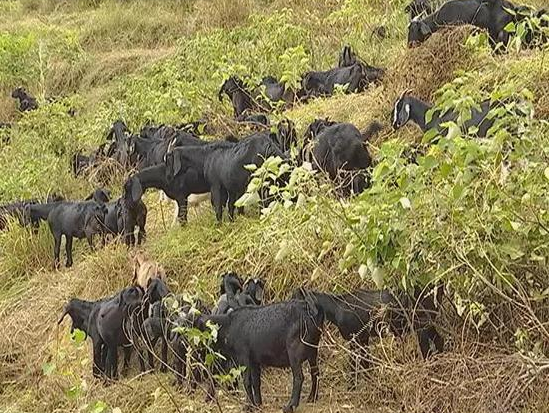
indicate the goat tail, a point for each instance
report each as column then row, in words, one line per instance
column 63, row 315
column 372, row 129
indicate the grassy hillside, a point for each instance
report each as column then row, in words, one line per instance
column 472, row 214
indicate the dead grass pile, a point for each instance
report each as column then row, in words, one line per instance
column 426, row 68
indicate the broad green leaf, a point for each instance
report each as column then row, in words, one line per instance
column 78, row 336
column 378, row 276
column 363, row 271
column 513, row 251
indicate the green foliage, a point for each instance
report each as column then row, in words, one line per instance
column 294, row 62
column 26, row 56
column 531, row 29
column 458, row 214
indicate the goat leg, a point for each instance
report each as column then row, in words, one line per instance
column 426, row 336
column 56, row 250
column 248, row 387
column 164, row 356
column 313, row 366
column 68, row 249
column 297, row 384
column 141, row 234
column 182, row 206
column 256, row 384
column 98, row 362
column 89, row 238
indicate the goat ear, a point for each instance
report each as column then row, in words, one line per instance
column 121, row 298
column 136, row 190
column 424, row 29
column 259, row 293
column 176, row 164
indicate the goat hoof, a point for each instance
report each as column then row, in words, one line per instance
column 69, row 264
column 288, row 409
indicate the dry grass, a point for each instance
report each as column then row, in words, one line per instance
column 471, row 377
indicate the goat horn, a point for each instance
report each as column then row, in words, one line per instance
column 404, row 93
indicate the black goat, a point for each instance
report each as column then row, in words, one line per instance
column 21, row 211
column 410, row 108
column 279, row 335
column 130, row 215
column 80, row 162
column 239, row 95
column 418, row 8
column 83, row 315
column 152, row 151
column 316, row 84
column 139, row 325
column 16, row 210
column 222, row 164
column 253, row 293
column 76, row 219
column 230, row 290
column 277, row 91
column 121, row 147
column 360, row 314
column 187, row 316
column 490, row 15
column 285, row 136
column 177, row 180
column 369, row 74
column 26, row 101
column 257, row 121
column 114, row 324
column 339, row 150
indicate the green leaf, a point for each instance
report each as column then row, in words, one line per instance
column 210, row 359
column 363, row 271
column 429, row 162
column 445, row 170
column 453, row 130
column 73, row 392
column 510, row 28
column 513, row 251
column 78, row 336
column 429, row 136
column 457, row 191
column 378, row 276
